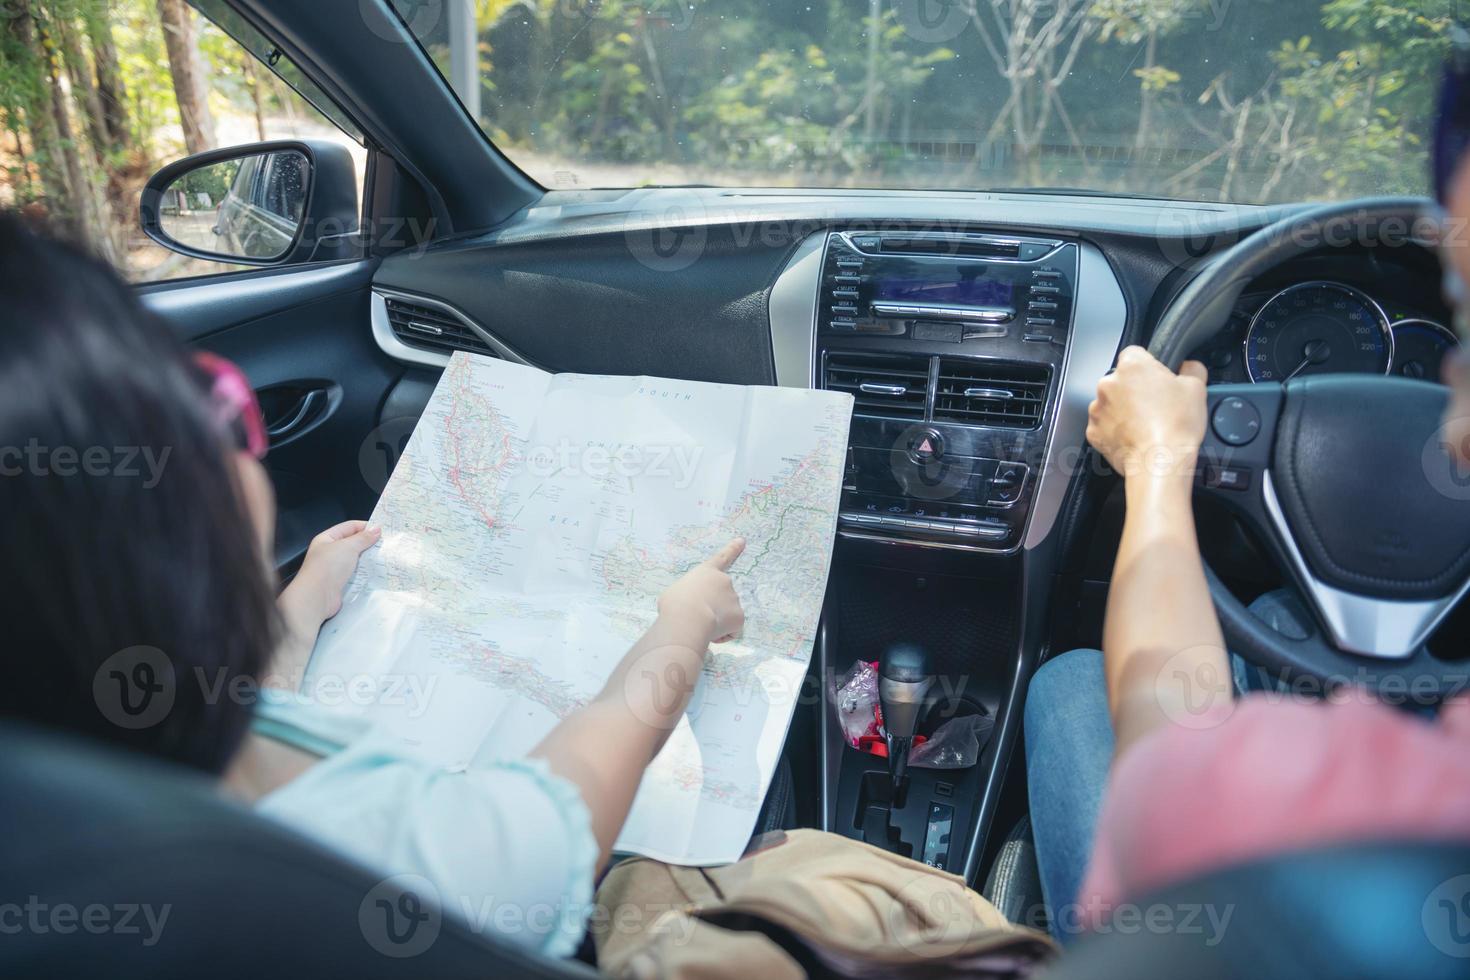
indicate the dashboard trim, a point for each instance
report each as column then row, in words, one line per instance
column 389, row 343
column 792, row 312
column 1390, row 629
column 1097, row 330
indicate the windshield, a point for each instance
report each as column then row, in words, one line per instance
column 1251, row 101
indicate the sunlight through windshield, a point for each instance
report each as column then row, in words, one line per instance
column 1252, row 101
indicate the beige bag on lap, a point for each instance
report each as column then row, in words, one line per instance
column 804, row 904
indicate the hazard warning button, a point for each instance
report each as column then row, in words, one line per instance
column 925, row 445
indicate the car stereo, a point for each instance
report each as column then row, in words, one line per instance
column 950, row 344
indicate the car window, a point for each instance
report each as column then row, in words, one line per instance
column 150, row 81
column 283, row 188
column 1246, row 102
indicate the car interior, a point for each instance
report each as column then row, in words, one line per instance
column 971, row 328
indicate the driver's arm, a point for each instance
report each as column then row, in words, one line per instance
column 1163, row 654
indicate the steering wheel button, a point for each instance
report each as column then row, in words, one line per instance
column 1227, row 477
column 1236, row 421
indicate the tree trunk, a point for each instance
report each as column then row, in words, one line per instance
column 252, row 82
column 80, row 74
column 111, row 90
column 187, row 68
column 105, row 214
column 46, row 149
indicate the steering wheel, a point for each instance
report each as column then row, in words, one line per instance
column 1344, row 477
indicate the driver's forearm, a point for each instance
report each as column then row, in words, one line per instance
column 1163, row 652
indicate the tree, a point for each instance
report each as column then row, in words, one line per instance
column 111, row 90
column 1034, row 44
column 181, row 39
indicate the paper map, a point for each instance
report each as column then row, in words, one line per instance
column 528, row 530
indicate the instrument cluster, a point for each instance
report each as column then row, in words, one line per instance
column 1325, row 326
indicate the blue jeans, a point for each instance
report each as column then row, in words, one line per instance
column 1069, row 746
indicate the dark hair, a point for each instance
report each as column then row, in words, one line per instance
column 118, row 563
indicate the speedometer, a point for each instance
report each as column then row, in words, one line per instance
column 1318, row 328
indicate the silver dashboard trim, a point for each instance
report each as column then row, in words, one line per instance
column 1390, row 629
column 977, row 314
column 1097, row 330
column 1099, row 315
column 792, row 309
column 389, row 343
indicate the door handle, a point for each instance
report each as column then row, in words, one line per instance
column 296, row 418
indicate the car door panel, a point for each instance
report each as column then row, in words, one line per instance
column 302, row 338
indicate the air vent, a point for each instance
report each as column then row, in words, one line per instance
column 434, row 329
column 989, row 248
column 1007, row 395
column 886, row 385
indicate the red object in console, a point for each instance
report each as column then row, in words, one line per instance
column 876, row 745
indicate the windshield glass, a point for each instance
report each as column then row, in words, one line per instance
column 1251, row 101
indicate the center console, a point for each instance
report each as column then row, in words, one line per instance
column 952, row 346
column 971, row 356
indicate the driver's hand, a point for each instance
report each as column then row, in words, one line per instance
column 1148, row 420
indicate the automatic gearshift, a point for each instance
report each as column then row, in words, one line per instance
column 903, row 683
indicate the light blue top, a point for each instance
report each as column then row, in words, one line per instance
column 508, row 846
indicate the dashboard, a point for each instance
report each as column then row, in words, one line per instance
column 1344, row 314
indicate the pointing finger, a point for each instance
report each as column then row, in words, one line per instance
column 726, row 556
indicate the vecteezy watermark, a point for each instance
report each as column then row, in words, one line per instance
column 137, row 688
column 1195, row 688
column 591, row 459
column 124, row 462
column 1445, row 917
column 1199, row 687
column 670, row 234
column 37, row 917
column 1102, row 918
column 401, row 916
column 1441, row 459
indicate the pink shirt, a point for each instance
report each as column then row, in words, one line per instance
column 1276, row 774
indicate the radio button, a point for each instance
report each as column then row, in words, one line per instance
column 844, row 280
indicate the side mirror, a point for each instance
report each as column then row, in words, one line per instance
column 263, row 204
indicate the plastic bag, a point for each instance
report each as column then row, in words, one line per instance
column 956, row 744
column 855, row 694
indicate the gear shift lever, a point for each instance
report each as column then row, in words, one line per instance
column 903, row 683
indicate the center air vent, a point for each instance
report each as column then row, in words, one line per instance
column 431, row 328
column 886, row 385
column 994, row 393
column 973, row 247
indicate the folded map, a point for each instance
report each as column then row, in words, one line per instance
column 528, row 529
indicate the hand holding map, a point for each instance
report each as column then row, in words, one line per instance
column 529, row 530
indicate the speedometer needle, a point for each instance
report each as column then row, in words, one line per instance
column 1316, row 352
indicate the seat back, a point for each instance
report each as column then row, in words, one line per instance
column 120, row 866
column 1388, row 910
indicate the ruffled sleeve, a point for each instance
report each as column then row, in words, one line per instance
column 508, row 846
